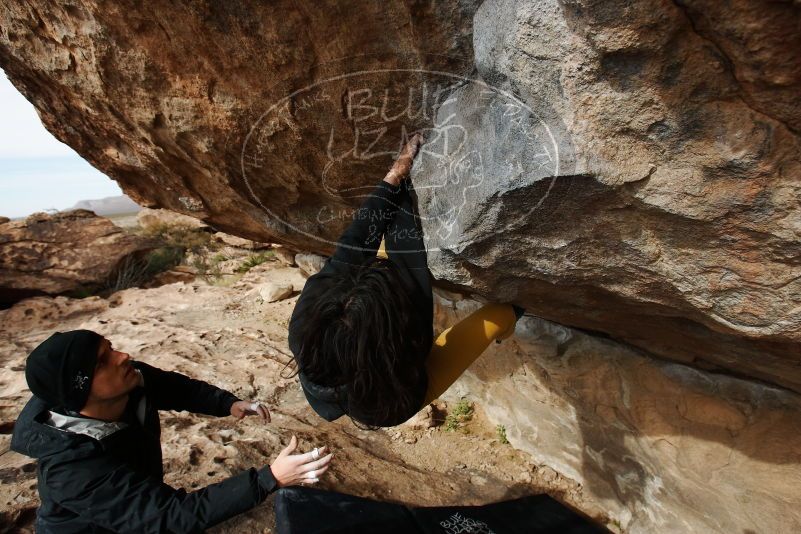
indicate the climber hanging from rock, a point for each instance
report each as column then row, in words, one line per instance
column 362, row 329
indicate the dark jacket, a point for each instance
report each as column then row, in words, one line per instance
column 115, row 484
column 387, row 212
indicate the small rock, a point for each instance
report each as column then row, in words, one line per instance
column 239, row 242
column 309, row 264
column 284, row 255
column 153, row 219
column 422, row 420
column 411, row 440
column 271, row 291
column 478, row 480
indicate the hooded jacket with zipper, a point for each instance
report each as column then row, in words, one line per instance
column 388, row 212
column 110, row 478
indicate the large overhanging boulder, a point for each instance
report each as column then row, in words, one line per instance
column 223, row 110
column 630, row 168
column 646, row 184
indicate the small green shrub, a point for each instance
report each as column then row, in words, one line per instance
column 461, row 413
column 194, row 243
column 254, row 260
column 501, row 431
column 187, row 238
column 162, row 259
column 208, row 269
column 134, row 270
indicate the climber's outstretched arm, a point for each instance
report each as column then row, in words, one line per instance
column 460, row 345
column 362, row 238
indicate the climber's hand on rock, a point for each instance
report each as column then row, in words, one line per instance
column 403, row 164
column 240, row 409
column 289, row 469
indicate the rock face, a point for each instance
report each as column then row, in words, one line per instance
column 659, row 447
column 629, row 168
column 62, row 253
column 173, row 102
column 649, row 188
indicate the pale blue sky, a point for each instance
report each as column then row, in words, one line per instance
column 37, row 171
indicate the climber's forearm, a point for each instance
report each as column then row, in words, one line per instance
column 393, row 178
column 361, row 239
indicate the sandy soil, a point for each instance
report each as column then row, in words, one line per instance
column 226, row 335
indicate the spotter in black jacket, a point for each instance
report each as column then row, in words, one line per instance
column 115, row 484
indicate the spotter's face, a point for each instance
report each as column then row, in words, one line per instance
column 114, row 375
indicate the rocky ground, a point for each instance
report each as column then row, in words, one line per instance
column 225, row 333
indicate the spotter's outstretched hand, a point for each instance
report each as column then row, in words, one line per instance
column 289, row 469
column 240, row 409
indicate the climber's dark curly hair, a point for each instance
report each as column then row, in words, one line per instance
column 364, row 333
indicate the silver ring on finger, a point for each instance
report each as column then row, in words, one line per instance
column 315, row 453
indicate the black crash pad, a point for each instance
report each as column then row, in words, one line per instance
column 301, row 510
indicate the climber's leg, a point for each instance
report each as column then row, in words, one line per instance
column 460, row 345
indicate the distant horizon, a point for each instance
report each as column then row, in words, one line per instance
column 29, row 185
column 37, row 171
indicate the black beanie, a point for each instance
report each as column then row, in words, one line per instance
column 59, row 371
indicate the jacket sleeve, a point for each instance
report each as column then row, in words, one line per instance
column 168, row 390
column 123, row 500
column 361, row 239
column 406, row 247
